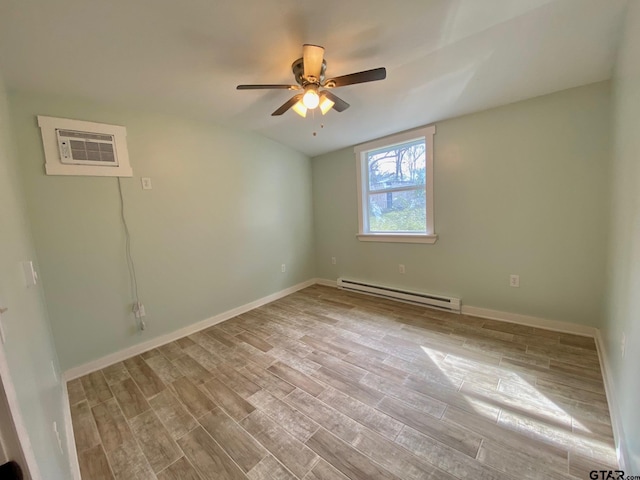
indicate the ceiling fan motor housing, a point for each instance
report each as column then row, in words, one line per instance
column 298, row 71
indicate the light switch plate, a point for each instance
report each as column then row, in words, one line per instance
column 30, row 275
column 2, row 337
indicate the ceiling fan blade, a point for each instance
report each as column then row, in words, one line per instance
column 339, row 104
column 268, row 87
column 287, row 105
column 360, row 77
column 312, row 56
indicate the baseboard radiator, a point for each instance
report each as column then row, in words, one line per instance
column 449, row 304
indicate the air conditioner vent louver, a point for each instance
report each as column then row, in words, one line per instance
column 86, row 148
column 450, row 304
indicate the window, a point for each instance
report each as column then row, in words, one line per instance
column 395, row 188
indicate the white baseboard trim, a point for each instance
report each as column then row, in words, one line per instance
column 139, row 348
column 71, row 438
column 555, row 325
column 612, row 401
column 326, row 282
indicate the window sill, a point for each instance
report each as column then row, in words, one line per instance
column 396, row 238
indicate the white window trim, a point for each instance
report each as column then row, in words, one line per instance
column 360, row 150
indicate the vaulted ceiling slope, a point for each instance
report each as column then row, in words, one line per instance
column 444, row 57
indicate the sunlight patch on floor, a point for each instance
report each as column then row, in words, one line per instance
column 513, row 392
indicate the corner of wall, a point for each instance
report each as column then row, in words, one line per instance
column 31, row 358
column 612, row 400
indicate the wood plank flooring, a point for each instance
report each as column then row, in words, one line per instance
column 331, row 385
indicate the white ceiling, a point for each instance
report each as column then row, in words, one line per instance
column 443, row 57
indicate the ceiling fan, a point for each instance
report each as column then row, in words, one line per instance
column 309, row 74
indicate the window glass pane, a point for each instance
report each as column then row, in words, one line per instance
column 403, row 211
column 397, row 166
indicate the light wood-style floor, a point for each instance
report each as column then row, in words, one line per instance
column 325, row 384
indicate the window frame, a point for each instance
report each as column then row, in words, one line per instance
column 422, row 133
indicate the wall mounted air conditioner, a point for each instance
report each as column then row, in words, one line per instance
column 75, row 147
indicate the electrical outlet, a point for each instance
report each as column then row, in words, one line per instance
column 283, row 268
column 623, row 344
column 146, row 183
column 514, row 281
column 333, row 260
column 401, row 268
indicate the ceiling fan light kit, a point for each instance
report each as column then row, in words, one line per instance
column 323, row 102
column 309, row 73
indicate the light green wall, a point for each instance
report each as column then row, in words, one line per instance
column 520, row 189
column 623, row 305
column 226, row 210
column 29, row 346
